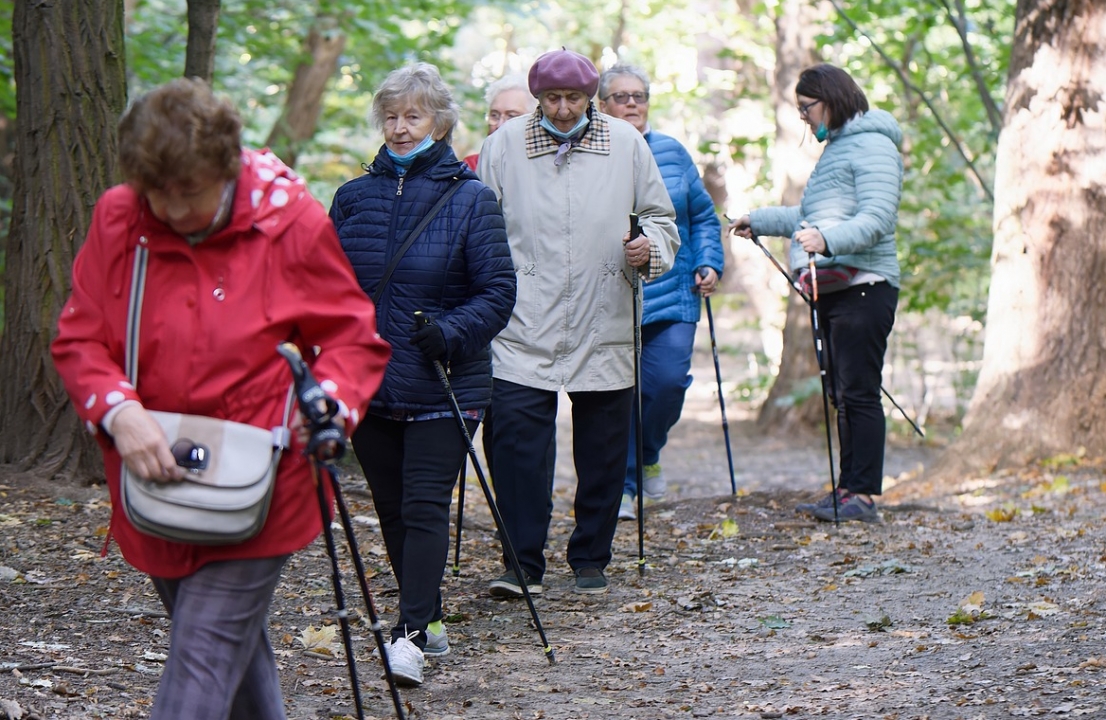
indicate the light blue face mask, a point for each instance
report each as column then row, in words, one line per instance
column 406, row 160
column 580, row 125
column 822, row 132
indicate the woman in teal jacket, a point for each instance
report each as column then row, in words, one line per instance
column 847, row 219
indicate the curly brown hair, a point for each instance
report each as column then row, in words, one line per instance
column 177, row 133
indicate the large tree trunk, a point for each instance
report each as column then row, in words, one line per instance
column 203, row 26
column 790, row 405
column 70, row 90
column 297, row 123
column 1041, row 390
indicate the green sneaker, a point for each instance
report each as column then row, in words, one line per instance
column 437, row 644
column 590, row 581
column 654, row 482
column 507, row 586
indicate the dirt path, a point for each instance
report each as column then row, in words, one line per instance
column 983, row 600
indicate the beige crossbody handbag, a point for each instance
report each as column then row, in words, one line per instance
column 231, row 467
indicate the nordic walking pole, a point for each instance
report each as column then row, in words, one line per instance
column 508, row 548
column 718, row 376
column 639, row 445
column 460, row 517
column 819, row 351
column 806, row 298
column 328, row 442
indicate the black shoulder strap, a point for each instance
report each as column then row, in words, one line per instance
column 457, row 183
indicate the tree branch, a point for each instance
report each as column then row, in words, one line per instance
column 960, row 22
column 925, row 99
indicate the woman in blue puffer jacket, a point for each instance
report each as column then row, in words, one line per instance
column 458, row 273
column 671, row 302
column 847, row 219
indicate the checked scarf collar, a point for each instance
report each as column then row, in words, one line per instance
column 596, row 137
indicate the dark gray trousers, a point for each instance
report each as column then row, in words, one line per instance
column 220, row 666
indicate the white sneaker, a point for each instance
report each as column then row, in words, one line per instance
column 405, row 659
column 628, row 509
column 436, row 645
column 655, row 484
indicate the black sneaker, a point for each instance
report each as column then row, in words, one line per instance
column 590, row 581
column 825, row 502
column 849, row 508
column 506, row 586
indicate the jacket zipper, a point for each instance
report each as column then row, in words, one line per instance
column 399, row 188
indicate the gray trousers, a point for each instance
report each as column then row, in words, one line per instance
column 220, row 666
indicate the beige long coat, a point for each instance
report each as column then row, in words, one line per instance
column 572, row 325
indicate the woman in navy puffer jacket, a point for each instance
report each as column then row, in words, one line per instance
column 458, row 272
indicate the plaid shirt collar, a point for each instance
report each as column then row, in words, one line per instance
column 596, row 139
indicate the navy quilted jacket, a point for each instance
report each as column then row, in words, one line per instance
column 672, row 297
column 458, row 271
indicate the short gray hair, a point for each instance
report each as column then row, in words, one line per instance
column 505, row 83
column 420, row 84
column 608, row 76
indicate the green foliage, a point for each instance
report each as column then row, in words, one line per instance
column 7, row 66
column 260, row 44
column 946, row 211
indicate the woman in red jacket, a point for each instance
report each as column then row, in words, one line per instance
column 241, row 258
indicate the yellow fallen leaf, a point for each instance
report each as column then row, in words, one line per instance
column 637, row 607
column 318, row 638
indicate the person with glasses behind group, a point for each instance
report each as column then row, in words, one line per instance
column 846, row 222
column 508, row 98
column 672, row 301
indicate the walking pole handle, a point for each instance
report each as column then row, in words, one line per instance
column 327, row 442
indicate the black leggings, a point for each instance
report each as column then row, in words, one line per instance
column 857, row 321
column 411, row 468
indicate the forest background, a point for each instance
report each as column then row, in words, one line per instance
column 977, row 85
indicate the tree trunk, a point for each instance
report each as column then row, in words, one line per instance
column 70, row 90
column 790, row 404
column 203, row 26
column 1041, row 389
column 297, row 123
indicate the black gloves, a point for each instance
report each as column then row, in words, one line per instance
column 429, row 339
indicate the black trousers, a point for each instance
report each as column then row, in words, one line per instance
column 525, row 425
column 857, row 321
column 411, row 468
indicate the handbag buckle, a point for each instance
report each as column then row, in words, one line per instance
column 191, row 456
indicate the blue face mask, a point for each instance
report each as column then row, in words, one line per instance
column 560, row 134
column 822, row 132
column 406, row 160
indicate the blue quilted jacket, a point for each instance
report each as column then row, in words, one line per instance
column 672, row 297
column 852, row 197
column 459, row 271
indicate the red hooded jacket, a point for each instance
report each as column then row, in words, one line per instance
column 212, row 316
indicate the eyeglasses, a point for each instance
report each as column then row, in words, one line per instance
column 623, row 97
column 804, row 109
column 190, row 455
column 495, row 116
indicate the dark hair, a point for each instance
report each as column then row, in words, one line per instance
column 837, row 91
column 177, row 133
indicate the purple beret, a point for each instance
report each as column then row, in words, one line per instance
column 563, row 70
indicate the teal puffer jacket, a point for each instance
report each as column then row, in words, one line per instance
column 852, row 197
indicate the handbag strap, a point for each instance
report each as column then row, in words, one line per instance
column 457, row 183
column 130, row 347
column 134, row 313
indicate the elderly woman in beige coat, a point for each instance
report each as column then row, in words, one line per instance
column 568, row 177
